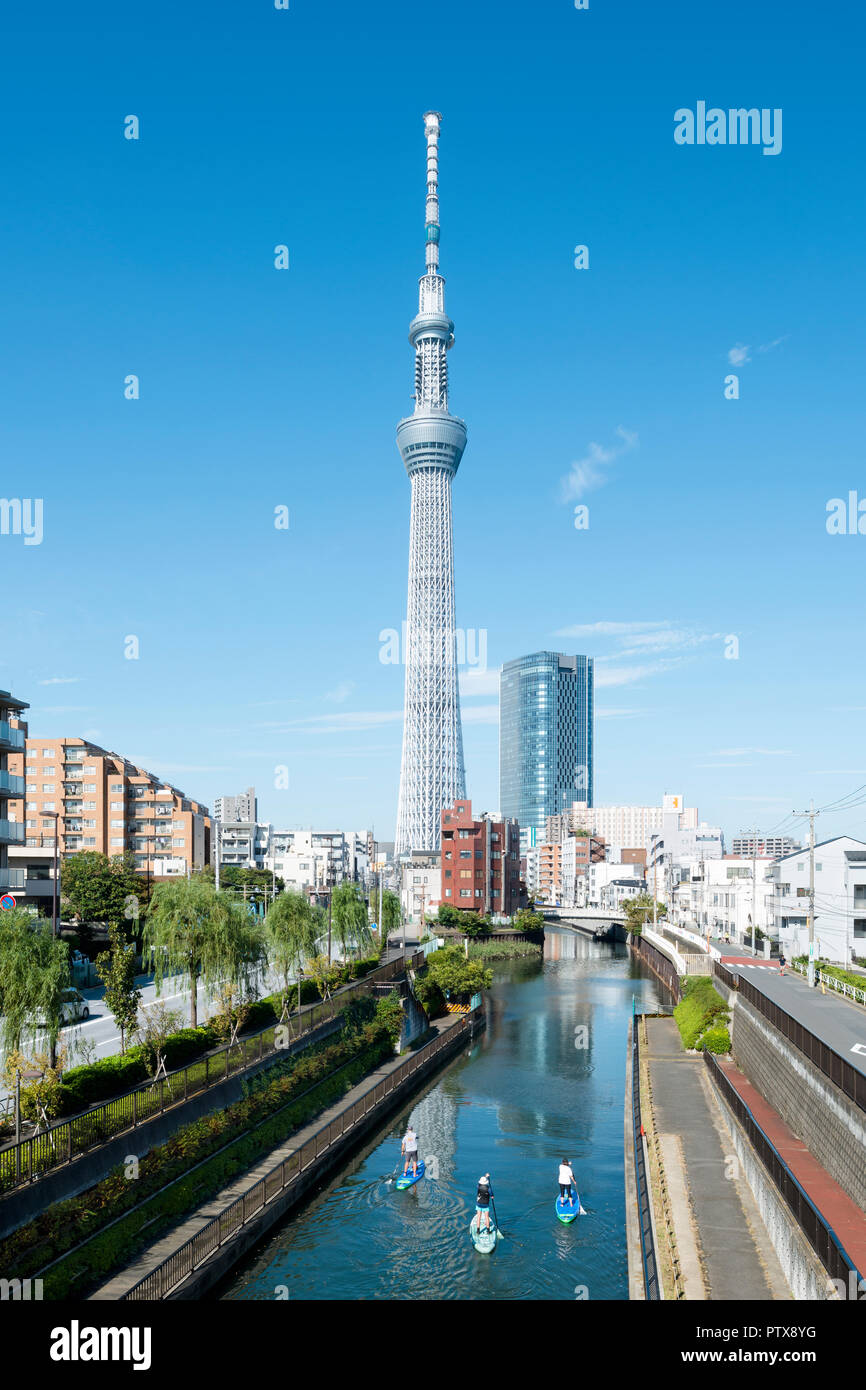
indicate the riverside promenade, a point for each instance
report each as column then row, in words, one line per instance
column 722, row 1247
column 149, row 1260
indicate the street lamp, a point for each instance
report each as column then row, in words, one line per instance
column 55, row 816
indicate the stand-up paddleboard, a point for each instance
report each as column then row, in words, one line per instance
column 566, row 1212
column 409, row 1179
column 484, row 1240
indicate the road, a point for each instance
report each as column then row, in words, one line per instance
column 830, row 1017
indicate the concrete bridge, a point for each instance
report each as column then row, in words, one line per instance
column 590, row 921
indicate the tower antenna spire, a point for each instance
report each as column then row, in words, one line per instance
column 431, row 442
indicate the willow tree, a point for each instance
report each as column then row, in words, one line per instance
column 206, row 937
column 292, row 927
column 391, row 914
column 349, row 918
column 34, row 972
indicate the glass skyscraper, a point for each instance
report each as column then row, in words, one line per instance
column 545, row 737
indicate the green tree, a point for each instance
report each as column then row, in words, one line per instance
column 639, row 910
column 95, row 888
column 156, row 1024
column 525, row 920
column 349, row 919
column 292, row 927
column 116, row 969
column 457, row 977
column 34, row 971
column 391, row 914
column 204, row 936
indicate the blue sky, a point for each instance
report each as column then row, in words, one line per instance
column 260, row 648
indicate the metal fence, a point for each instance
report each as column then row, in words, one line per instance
column 840, row 1072
column 166, row 1277
column 821, row 1237
column 652, row 1286
column 41, row 1153
column 858, row 996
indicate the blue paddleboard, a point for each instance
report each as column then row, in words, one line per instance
column 484, row 1241
column 566, row 1212
column 407, row 1180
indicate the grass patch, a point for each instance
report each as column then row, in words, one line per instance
column 700, row 1010
column 503, row 950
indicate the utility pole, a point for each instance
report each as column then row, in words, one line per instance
column 754, row 881
column 216, row 827
column 811, row 813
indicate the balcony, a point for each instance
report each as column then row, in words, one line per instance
column 11, row 879
column 10, row 784
column 11, row 739
column 11, row 832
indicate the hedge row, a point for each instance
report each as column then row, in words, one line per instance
column 701, row 1007
column 85, row 1086
column 231, row 1131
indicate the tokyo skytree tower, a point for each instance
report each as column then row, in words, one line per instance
column 431, row 443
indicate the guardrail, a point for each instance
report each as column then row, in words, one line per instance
column 840, row 1072
column 41, row 1153
column 821, row 1236
column 166, row 1277
column 651, row 1280
column 840, row 986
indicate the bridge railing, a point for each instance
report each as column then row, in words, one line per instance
column 821, row 1236
column 649, row 1257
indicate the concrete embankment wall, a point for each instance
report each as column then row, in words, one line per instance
column 806, row 1275
column 661, row 965
column 831, row 1126
column 21, row 1205
column 225, row 1259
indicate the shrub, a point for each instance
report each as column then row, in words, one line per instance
column 716, row 1039
column 700, row 1005
column 429, row 996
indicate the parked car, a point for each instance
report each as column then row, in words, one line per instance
column 73, row 1006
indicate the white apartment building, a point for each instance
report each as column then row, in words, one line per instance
column 243, row 844
column 237, row 808
column 420, row 889
column 630, row 827
column 717, row 897
column 840, row 900
column 765, row 846
column 596, row 887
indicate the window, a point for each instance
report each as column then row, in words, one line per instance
column 818, row 868
column 860, row 926
column 31, row 786
column 448, row 892
column 115, row 787
column 48, row 787
column 464, row 834
column 31, row 805
column 117, row 825
column 447, row 871
column 48, row 752
column 466, row 854
column 448, row 854
column 90, row 772
column 48, row 806
column 49, row 771
column 466, row 892
column 30, row 825
column 90, row 786
column 179, row 843
column 116, row 806
column 89, row 840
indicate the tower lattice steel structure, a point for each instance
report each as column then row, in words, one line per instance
column 431, row 443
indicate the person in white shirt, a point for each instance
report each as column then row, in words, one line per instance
column 567, row 1182
column 409, row 1147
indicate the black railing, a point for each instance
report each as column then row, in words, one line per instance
column 649, row 1258
column 33, row 1157
column 820, row 1235
column 166, row 1277
column 840, row 1072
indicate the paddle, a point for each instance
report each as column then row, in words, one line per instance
column 496, row 1219
column 389, row 1177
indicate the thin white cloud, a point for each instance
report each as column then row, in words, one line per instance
column 610, row 629
column 738, row 355
column 627, row 675
column 480, row 714
column 667, row 640
column 768, row 347
column 703, row 765
column 745, row 752
column 334, row 723
column 60, row 680
column 619, row 713
column 588, row 472
column 477, row 682
column 340, row 694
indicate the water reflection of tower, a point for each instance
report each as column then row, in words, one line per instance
column 435, row 1118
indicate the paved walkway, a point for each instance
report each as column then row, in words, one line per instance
column 836, row 1207
column 714, row 1215
column 148, row 1259
column 841, row 1025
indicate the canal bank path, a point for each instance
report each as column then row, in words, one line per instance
column 724, row 1248
column 149, row 1259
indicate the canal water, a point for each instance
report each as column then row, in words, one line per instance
column 546, row 1080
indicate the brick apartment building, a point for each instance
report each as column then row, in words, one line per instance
column 100, row 801
column 560, row 863
column 480, row 861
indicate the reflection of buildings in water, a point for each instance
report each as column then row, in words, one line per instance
column 435, row 1119
column 567, row 945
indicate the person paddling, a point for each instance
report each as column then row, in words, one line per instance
column 409, row 1147
column 482, row 1203
column 567, row 1182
